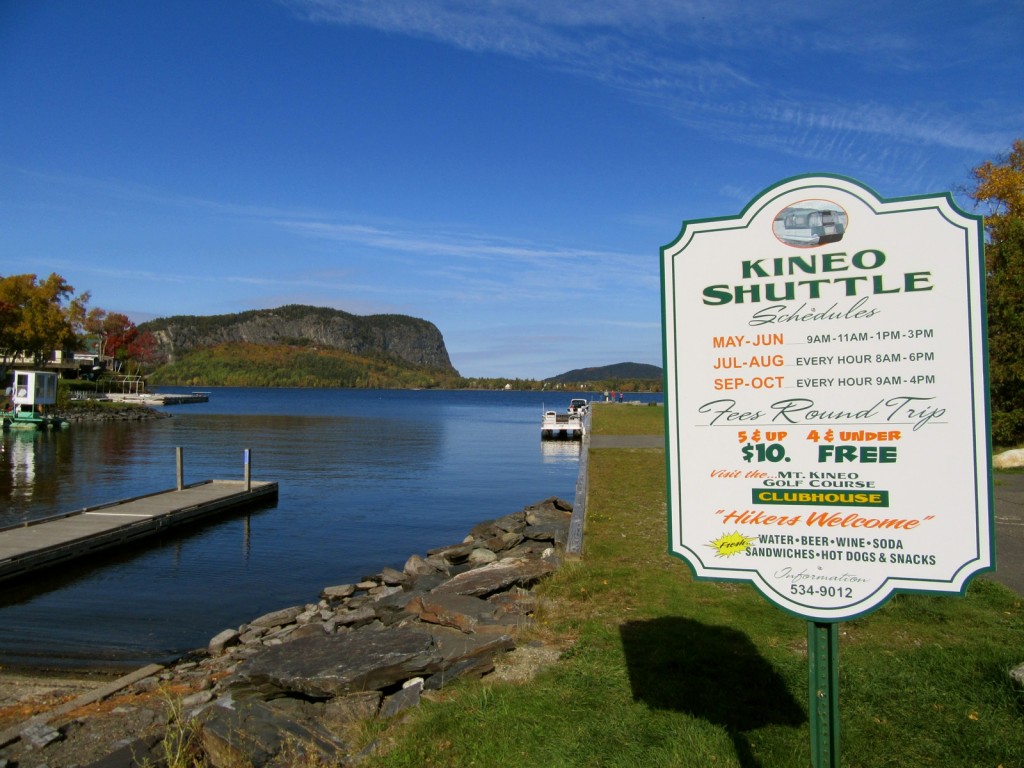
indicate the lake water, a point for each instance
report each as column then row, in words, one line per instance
column 366, row 478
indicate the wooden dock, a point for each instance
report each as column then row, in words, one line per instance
column 158, row 398
column 43, row 543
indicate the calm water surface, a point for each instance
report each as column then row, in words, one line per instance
column 367, row 477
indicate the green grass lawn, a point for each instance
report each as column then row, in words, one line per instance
column 658, row 669
column 621, row 419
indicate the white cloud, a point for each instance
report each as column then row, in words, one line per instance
column 463, row 245
column 701, row 61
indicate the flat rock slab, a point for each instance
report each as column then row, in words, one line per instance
column 277, row 618
column 469, row 656
column 252, row 733
column 496, row 577
column 141, row 752
column 462, row 612
column 331, row 665
column 39, row 734
column 514, row 523
column 455, row 646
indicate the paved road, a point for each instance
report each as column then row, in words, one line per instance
column 1008, row 494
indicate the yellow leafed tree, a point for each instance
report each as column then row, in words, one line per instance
column 37, row 317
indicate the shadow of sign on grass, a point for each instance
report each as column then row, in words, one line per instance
column 710, row 672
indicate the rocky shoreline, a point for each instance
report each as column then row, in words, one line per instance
column 305, row 677
column 92, row 412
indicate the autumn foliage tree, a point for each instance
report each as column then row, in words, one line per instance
column 999, row 187
column 37, row 317
column 119, row 337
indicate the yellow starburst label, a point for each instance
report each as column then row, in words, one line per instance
column 732, row 544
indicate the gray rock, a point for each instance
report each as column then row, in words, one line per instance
column 279, row 618
column 428, row 582
column 279, row 634
column 438, row 563
column 392, row 578
column 307, row 630
column 331, row 665
column 338, row 592
column 416, row 566
column 516, row 601
column 467, row 655
column 550, row 505
column 40, row 735
column 455, row 646
column 393, row 608
column 502, row 541
column 455, row 554
column 297, row 709
column 221, row 641
column 514, row 523
column 528, row 550
column 1017, row 675
column 252, row 733
column 381, row 591
column 355, row 618
column 496, row 577
column 196, row 699
column 407, row 697
column 482, row 556
column 555, row 533
column 311, row 613
column 146, row 684
column 140, row 752
column 460, row 612
column 252, row 635
column 342, row 711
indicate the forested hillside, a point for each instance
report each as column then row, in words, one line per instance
column 624, row 371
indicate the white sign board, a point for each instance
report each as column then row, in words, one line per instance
column 826, row 396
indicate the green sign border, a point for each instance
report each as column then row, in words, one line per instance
column 762, row 200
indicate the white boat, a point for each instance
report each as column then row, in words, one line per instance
column 569, row 425
column 33, row 398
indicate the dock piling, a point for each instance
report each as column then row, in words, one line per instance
column 178, row 452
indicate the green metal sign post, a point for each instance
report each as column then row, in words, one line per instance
column 823, row 684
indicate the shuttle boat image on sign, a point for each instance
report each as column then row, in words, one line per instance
column 810, row 223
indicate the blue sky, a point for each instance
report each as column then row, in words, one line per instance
column 507, row 169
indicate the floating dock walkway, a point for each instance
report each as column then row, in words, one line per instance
column 157, row 398
column 55, row 540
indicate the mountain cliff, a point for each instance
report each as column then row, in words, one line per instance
column 399, row 338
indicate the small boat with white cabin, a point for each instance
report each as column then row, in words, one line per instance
column 33, row 398
column 569, row 425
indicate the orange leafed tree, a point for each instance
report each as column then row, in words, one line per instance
column 119, row 337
